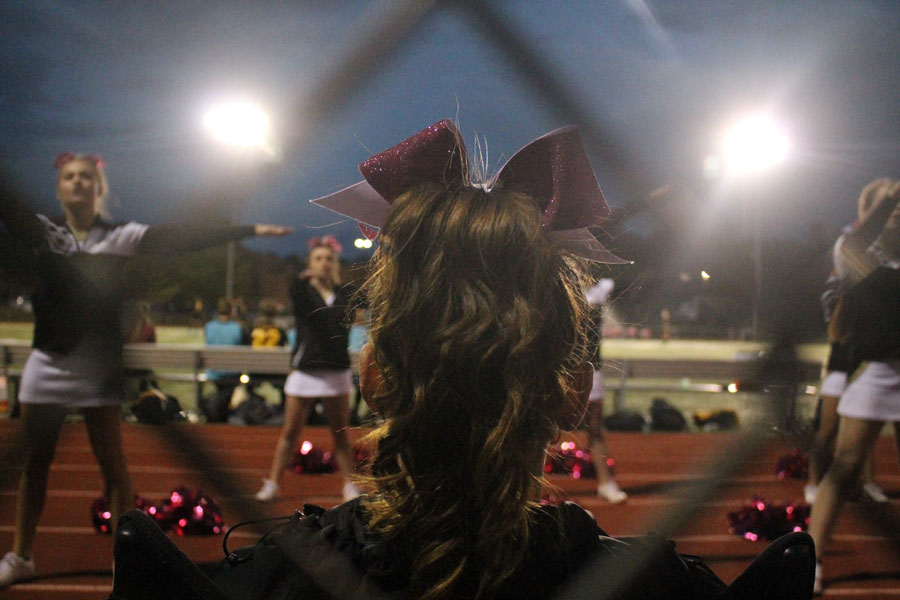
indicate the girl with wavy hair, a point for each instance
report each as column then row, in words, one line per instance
column 479, row 355
column 477, row 334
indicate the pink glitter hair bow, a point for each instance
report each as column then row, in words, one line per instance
column 325, row 240
column 553, row 169
column 66, row 157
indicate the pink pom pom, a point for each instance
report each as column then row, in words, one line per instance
column 794, row 465
column 101, row 515
column 190, row 512
column 184, row 511
column 768, row 520
column 311, row 460
column 361, row 458
column 570, row 460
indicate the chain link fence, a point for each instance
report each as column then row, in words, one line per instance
column 362, row 60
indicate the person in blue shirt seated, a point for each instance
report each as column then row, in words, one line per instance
column 221, row 331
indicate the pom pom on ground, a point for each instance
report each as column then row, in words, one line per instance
column 570, row 460
column 362, row 458
column 101, row 516
column 190, row 512
column 311, row 460
column 761, row 519
column 794, row 465
column 184, row 511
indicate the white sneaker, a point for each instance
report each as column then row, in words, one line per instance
column 809, row 492
column 268, row 492
column 610, row 492
column 817, row 582
column 350, row 491
column 872, row 491
column 15, row 568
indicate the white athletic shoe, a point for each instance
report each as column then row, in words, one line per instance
column 809, row 492
column 610, row 492
column 268, row 492
column 350, row 491
column 15, row 568
column 872, row 491
column 817, row 582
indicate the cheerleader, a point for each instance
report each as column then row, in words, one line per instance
column 866, row 320
column 321, row 363
column 79, row 264
column 607, row 487
column 840, row 366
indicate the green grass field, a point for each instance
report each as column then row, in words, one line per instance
column 613, row 348
column 164, row 335
column 16, row 331
column 698, row 349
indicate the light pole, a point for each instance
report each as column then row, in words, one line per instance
column 242, row 125
column 753, row 145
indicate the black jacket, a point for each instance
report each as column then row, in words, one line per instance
column 322, row 330
column 332, row 554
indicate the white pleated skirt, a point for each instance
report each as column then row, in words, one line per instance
column 834, row 384
column 77, row 380
column 874, row 395
column 319, row 383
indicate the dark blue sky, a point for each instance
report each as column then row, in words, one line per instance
column 131, row 80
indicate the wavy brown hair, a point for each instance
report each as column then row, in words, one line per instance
column 477, row 321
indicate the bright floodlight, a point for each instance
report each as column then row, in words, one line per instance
column 239, row 123
column 753, row 144
column 362, row 243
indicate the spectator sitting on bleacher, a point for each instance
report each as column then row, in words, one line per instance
column 265, row 333
column 221, row 331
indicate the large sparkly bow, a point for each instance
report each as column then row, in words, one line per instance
column 553, row 169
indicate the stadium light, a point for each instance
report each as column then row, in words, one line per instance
column 753, row 144
column 241, row 124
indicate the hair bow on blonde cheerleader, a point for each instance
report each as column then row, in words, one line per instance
column 325, row 240
column 553, row 169
column 65, row 157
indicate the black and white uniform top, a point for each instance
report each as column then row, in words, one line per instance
column 80, row 290
column 321, row 360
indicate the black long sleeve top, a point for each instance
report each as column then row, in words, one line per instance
column 322, row 330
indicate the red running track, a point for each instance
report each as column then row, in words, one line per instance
column 75, row 562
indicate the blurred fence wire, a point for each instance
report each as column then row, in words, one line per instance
column 388, row 28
